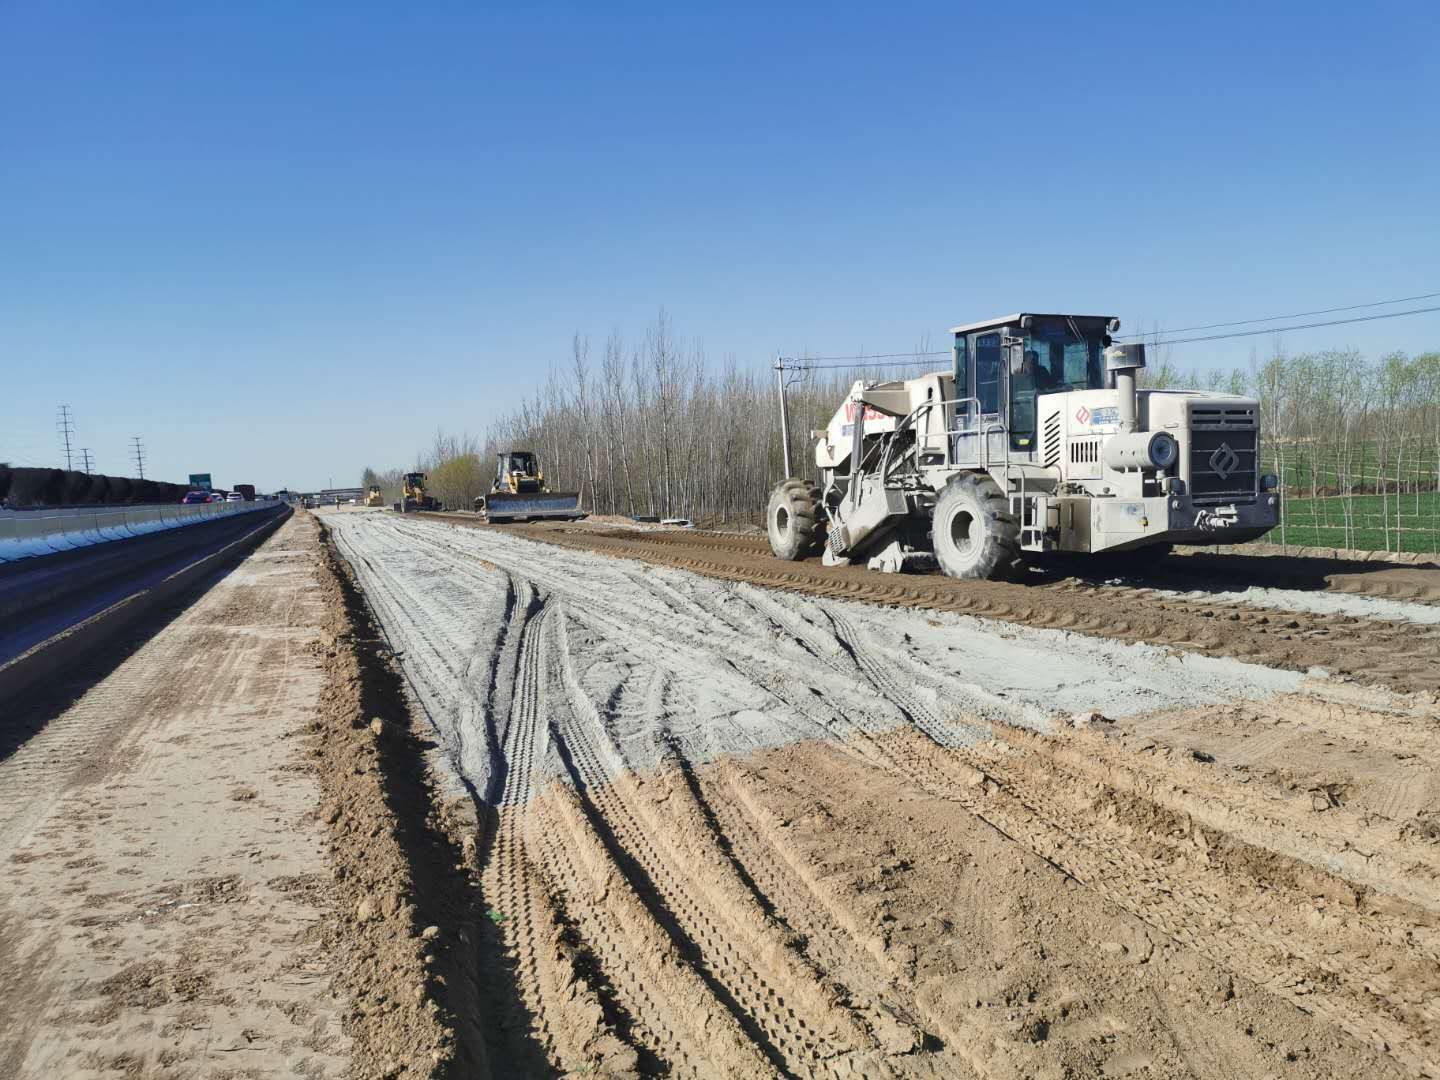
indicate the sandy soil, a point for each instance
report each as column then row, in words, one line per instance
column 724, row 830
column 183, row 861
column 399, row 798
column 157, row 843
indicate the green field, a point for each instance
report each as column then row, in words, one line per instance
column 1359, row 521
column 1306, row 467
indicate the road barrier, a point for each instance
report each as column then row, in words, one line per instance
column 29, row 534
column 73, row 642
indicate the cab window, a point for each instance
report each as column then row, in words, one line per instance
column 1056, row 359
column 987, row 372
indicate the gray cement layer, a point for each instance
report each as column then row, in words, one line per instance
column 639, row 661
column 1319, row 603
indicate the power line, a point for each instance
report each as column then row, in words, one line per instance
column 823, row 363
column 66, row 427
column 879, row 356
column 861, row 367
column 1280, row 318
column 1300, row 326
column 138, row 451
column 85, row 460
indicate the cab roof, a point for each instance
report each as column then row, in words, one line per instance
column 1011, row 320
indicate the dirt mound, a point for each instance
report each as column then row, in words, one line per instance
column 394, row 877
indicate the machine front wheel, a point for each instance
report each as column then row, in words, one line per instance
column 975, row 535
column 793, row 519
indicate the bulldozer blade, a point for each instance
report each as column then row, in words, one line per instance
column 503, row 506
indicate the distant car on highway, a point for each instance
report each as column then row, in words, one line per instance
column 234, row 496
column 193, row 497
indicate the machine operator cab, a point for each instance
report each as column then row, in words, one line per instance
column 522, row 463
column 1003, row 365
column 517, row 471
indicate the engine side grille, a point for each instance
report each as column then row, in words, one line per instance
column 1223, row 465
column 1051, row 442
column 1214, row 416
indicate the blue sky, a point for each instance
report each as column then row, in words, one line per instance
column 282, row 241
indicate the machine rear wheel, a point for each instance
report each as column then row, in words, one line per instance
column 793, row 519
column 975, row 535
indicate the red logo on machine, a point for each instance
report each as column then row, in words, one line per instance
column 871, row 413
column 1082, row 414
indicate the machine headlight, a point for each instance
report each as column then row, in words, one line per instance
column 1164, row 450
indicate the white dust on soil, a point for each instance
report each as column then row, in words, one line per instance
column 650, row 661
column 1316, row 603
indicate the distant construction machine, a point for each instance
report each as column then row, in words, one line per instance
column 412, row 495
column 518, row 493
column 1035, row 441
column 374, row 496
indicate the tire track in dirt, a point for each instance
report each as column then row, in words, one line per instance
column 670, row 922
column 1406, row 657
column 506, row 884
column 1348, row 974
column 588, row 755
column 1101, row 858
column 714, row 918
column 1306, row 573
column 536, row 1010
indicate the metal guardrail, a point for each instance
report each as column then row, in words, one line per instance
column 29, row 534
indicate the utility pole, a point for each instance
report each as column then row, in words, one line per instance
column 85, row 460
column 65, row 425
column 784, row 413
column 138, row 449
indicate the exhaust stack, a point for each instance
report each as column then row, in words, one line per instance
column 1122, row 361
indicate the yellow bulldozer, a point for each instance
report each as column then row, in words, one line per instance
column 412, row 495
column 519, row 493
column 374, row 496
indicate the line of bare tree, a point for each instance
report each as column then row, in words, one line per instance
column 1364, row 435
column 656, row 428
column 649, row 429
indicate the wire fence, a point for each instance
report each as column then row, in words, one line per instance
column 1365, row 498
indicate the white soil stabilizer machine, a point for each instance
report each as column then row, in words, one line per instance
column 1036, row 442
column 518, row 493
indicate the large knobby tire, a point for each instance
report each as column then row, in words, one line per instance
column 975, row 535
column 793, row 519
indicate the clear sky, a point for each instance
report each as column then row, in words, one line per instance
column 281, row 241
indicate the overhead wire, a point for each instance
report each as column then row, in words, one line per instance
column 1298, row 326
column 919, row 359
column 1281, row 318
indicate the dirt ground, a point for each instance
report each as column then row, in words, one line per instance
column 180, row 880
column 397, row 798
column 727, row 830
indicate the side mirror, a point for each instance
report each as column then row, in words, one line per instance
column 1014, row 354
